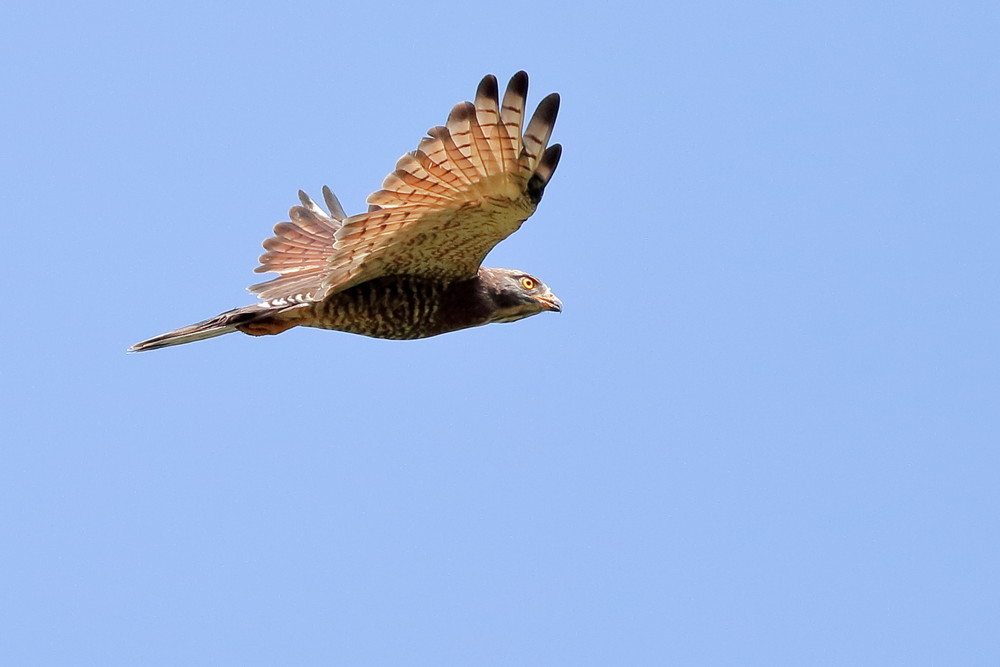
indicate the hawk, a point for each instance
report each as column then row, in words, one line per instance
column 410, row 267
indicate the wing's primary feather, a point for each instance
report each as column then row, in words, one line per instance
column 468, row 185
column 300, row 248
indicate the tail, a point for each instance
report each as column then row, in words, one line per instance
column 259, row 314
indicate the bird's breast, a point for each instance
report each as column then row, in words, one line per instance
column 399, row 308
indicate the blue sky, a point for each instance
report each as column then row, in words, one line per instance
column 764, row 431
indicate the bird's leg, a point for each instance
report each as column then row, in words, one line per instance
column 268, row 326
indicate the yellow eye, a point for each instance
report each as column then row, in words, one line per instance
column 528, row 283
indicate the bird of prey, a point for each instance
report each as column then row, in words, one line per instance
column 410, row 267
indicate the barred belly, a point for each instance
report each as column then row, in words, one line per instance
column 394, row 307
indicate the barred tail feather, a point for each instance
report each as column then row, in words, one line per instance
column 219, row 325
column 200, row 331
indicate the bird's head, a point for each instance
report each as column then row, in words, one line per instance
column 516, row 294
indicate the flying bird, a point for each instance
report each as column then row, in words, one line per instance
column 410, row 267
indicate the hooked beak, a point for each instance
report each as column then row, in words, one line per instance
column 550, row 301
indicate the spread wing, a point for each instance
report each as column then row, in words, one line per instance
column 468, row 186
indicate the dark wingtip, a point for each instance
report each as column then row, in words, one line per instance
column 552, row 100
column 488, row 88
column 543, row 172
column 549, row 161
column 519, row 83
column 547, row 110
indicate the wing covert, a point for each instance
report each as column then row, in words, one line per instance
column 467, row 186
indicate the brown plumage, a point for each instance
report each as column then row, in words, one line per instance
column 410, row 266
